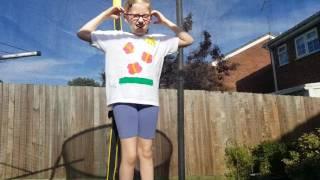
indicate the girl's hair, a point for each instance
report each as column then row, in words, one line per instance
column 129, row 4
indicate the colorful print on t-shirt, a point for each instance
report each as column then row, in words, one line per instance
column 146, row 57
column 133, row 65
column 128, row 48
column 134, row 68
column 151, row 41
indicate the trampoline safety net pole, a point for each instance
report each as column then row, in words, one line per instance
column 117, row 22
column 180, row 129
column 113, row 147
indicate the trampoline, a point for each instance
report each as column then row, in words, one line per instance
column 86, row 153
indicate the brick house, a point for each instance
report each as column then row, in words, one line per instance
column 296, row 55
column 253, row 67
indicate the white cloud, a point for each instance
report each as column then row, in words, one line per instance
column 25, row 66
column 44, row 70
column 12, row 70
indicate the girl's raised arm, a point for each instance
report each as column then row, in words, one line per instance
column 185, row 38
column 84, row 32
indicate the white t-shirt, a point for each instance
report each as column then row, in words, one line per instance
column 133, row 64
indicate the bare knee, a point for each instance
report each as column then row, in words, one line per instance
column 129, row 158
column 128, row 151
column 145, row 151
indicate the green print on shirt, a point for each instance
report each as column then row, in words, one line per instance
column 136, row 80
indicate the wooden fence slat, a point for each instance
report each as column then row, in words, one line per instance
column 48, row 126
column 29, row 155
column 1, row 107
column 4, row 128
column 23, row 118
column 35, row 129
column 217, row 130
column 42, row 127
column 190, row 130
column 1, row 149
column 56, row 134
column 275, row 120
column 168, row 122
column 11, row 128
column 16, row 131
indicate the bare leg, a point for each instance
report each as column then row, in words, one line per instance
column 128, row 158
column 146, row 158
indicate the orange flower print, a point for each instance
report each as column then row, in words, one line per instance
column 128, row 48
column 134, row 68
column 146, row 57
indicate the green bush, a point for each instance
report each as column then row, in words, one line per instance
column 267, row 158
column 299, row 161
column 304, row 159
column 239, row 162
column 264, row 159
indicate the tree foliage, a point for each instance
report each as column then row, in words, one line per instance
column 187, row 23
column 199, row 74
column 103, row 78
column 82, row 81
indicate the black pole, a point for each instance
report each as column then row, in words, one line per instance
column 181, row 156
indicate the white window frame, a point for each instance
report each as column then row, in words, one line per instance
column 304, row 36
column 278, row 52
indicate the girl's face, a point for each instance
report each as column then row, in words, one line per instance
column 138, row 18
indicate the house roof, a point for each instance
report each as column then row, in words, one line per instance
column 300, row 27
column 249, row 45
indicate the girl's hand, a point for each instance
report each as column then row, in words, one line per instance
column 185, row 39
column 114, row 12
column 161, row 19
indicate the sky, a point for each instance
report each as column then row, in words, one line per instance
column 50, row 26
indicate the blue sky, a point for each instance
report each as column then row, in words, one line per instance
column 51, row 25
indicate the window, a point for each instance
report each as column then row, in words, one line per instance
column 307, row 43
column 300, row 46
column 283, row 55
column 313, row 41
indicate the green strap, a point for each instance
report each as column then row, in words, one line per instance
column 136, row 80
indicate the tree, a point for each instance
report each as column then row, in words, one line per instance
column 199, row 74
column 82, row 81
column 169, row 72
column 170, row 65
column 103, row 78
column 1, row 81
column 187, row 23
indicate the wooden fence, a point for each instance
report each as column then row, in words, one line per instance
column 35, row 120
